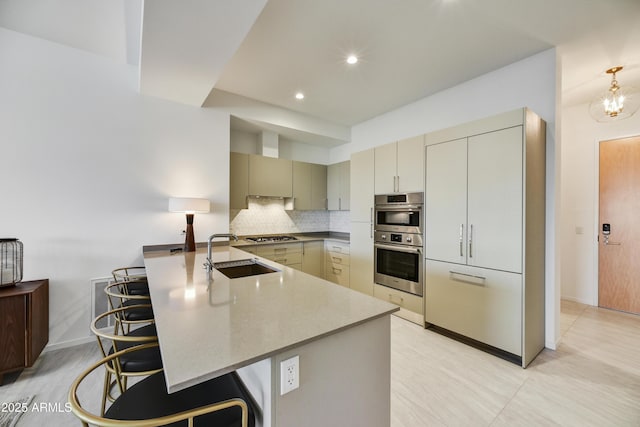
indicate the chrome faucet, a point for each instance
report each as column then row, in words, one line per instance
column 209, row 264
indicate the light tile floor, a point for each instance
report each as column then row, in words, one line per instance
column 593, row 379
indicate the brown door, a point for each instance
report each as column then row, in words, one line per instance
column 619, row 247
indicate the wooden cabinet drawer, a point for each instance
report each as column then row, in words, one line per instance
column 289, row 254
column 337, row 262
column 337, row 258
column 288, row 259
column 407, row 301
column 336, row 247
column 279, row 250
column 337, row 274
column 250, row 249
column 479, row 303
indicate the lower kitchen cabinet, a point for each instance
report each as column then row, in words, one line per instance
column 289, row 254
column 313, row 258
column 327, row 259
column 337, row 262
column 411, row 306
column 361, row 257
column 482, row 304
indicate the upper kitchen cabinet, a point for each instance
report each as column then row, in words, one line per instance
column 270, row 176
column 399, row 166
column 239, row 180
column 338, row 186
column 474, row 200
column 309, row 186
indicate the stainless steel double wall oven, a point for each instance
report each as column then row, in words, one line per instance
column 398, row 246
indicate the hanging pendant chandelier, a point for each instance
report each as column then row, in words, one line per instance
column 615, row 104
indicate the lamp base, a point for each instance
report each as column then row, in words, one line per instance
column 189, row 240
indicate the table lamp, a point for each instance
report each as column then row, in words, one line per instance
column 189, row 206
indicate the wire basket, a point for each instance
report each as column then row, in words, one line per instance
column 10, row 262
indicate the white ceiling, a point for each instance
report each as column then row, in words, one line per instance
column 409, row 49
column 187, row 43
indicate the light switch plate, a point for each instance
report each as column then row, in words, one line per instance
column 289, row 375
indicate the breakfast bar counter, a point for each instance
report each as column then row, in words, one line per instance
column 208, row 326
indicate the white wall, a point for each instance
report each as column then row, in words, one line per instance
column 88, row 165
column 580, row 138
column 302, row 152
column 531, row 83
column 247, row 142
column 527, row 83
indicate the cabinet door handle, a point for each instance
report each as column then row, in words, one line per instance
column 398, row 183
column 336, row 248
column 371, row 222
column 281, row 261
column 471, row 241
column 467, row 278
column 337, row 270
column 337, row 259
column 461, row 238
column 339, row 203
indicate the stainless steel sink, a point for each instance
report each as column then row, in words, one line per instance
column 243, row 268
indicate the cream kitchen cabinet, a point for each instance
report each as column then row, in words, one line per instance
column 362, row 189
column 361, row 215
column 399, row 166
column 270, row 176
column 289, row 254
column 484, row 231
column 338, row 187
column 361, row 258
column 309, row 186
column 304, row 256
column 412, row 306
column 337, row 268
column 239, row 180
column 486, row 303
column 313, row 258
column 474, row 200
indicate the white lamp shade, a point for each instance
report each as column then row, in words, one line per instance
column 189, row 205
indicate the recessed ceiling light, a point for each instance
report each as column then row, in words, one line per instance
column 299, row 95
column 352, row 59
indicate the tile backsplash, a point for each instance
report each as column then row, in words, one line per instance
column 267, row 216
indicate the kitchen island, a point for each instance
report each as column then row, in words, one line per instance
column 210, row 326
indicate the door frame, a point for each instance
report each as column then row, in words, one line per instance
column 596, row 212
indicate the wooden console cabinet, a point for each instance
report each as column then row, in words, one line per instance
column 24, row 324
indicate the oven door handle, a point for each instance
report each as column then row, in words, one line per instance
column 410, row 208
column 405, row 249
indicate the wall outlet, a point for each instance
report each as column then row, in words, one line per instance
column 289, row 375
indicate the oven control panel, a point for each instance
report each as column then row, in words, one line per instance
column 407, row 239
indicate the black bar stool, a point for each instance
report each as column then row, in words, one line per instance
column 223, row 401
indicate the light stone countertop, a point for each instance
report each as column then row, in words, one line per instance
column 206, row 333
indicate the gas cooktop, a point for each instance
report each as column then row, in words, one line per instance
column 271, row 239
